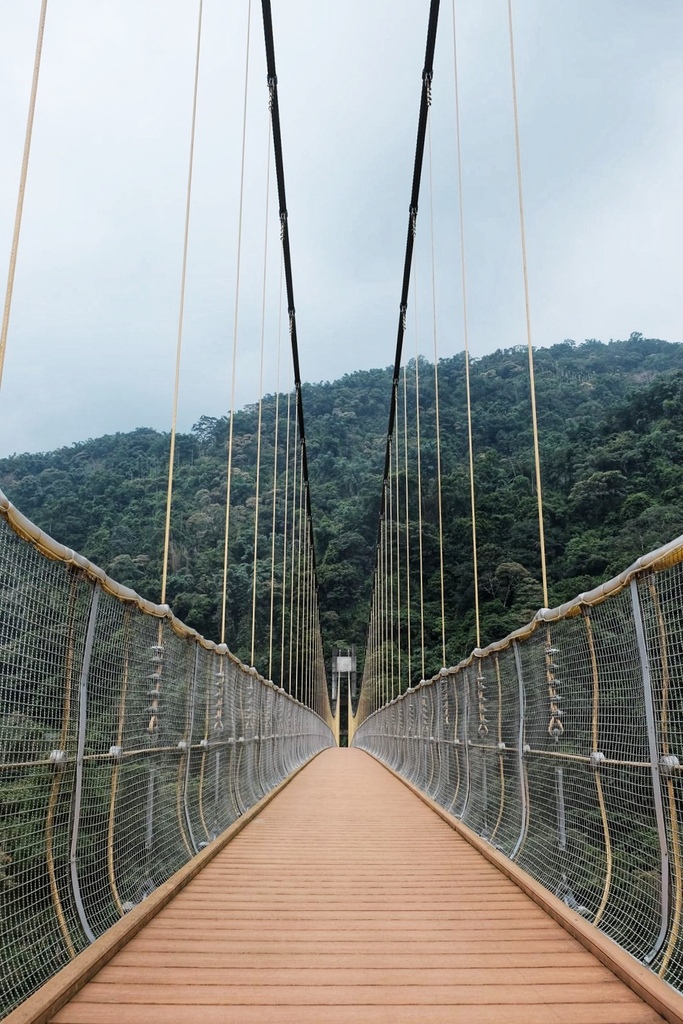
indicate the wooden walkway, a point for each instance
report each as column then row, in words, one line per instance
column 348, row 900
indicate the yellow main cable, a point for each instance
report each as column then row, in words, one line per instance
column 470, row 445
column 181, row 311
column 532, row 379
column 4, row 329
column 226, row 543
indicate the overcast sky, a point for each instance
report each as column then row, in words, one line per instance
column 93, row 330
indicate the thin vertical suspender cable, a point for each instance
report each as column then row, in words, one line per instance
column 532, row 379
column 22, row 187
column 295, row 469
column 398, row 552
column 425, row 101
column 226, row 544
column 390, row 540
column 260, row 404
column 470, row 445
column 419, row 490
column 407, row 495
column 298, row 570
column 181, row 311
column 275, row 481
column 436, row 400
column 387, row 640
column 284, row 544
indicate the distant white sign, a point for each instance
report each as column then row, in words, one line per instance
column 344, row 663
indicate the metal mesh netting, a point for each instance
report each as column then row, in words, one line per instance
column 125, row 748
column 560, row 746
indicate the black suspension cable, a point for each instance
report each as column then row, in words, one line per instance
column 284, row 234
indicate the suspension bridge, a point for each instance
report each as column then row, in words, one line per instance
column 183, row 838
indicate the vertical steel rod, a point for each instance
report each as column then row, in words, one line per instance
column 654, row 767
column 520, row 754
column 80, row 752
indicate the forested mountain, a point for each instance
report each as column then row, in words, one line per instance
column 611, row 423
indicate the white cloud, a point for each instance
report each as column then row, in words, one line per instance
column 93, row 328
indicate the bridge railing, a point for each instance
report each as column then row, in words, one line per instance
column 562, row 746
column 127, row 743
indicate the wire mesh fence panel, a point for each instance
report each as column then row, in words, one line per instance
column 562, row 747
column 659, row 597
column 127, row 743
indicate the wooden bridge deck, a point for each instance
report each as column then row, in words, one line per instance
column 348, row 900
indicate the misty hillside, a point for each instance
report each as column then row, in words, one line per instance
column 611, row 423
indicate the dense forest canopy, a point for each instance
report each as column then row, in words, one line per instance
column 611, row 425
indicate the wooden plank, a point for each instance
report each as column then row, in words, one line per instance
column 389, row 917
column 619, row 1013
column 153, row 994
column 38, row 1008
column 642, row 981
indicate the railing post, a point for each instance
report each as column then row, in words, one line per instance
column 80, row 752
column 188, row 741
column 520, row 752
column 466, row 733
column 654, row 767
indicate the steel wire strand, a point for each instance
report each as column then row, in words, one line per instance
column 397, row 500
column 226, row 542
column 390, row 542
column 181, row 309
column 260, row 403
column 284, row 545
column 418, row 450
column 425, row 94
column 276, row 440
column 299, row 557
column 295, row 463
column 525, row 270
column 407, row 526
column 23, row 175
column 436, row 397
column 465, row 323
